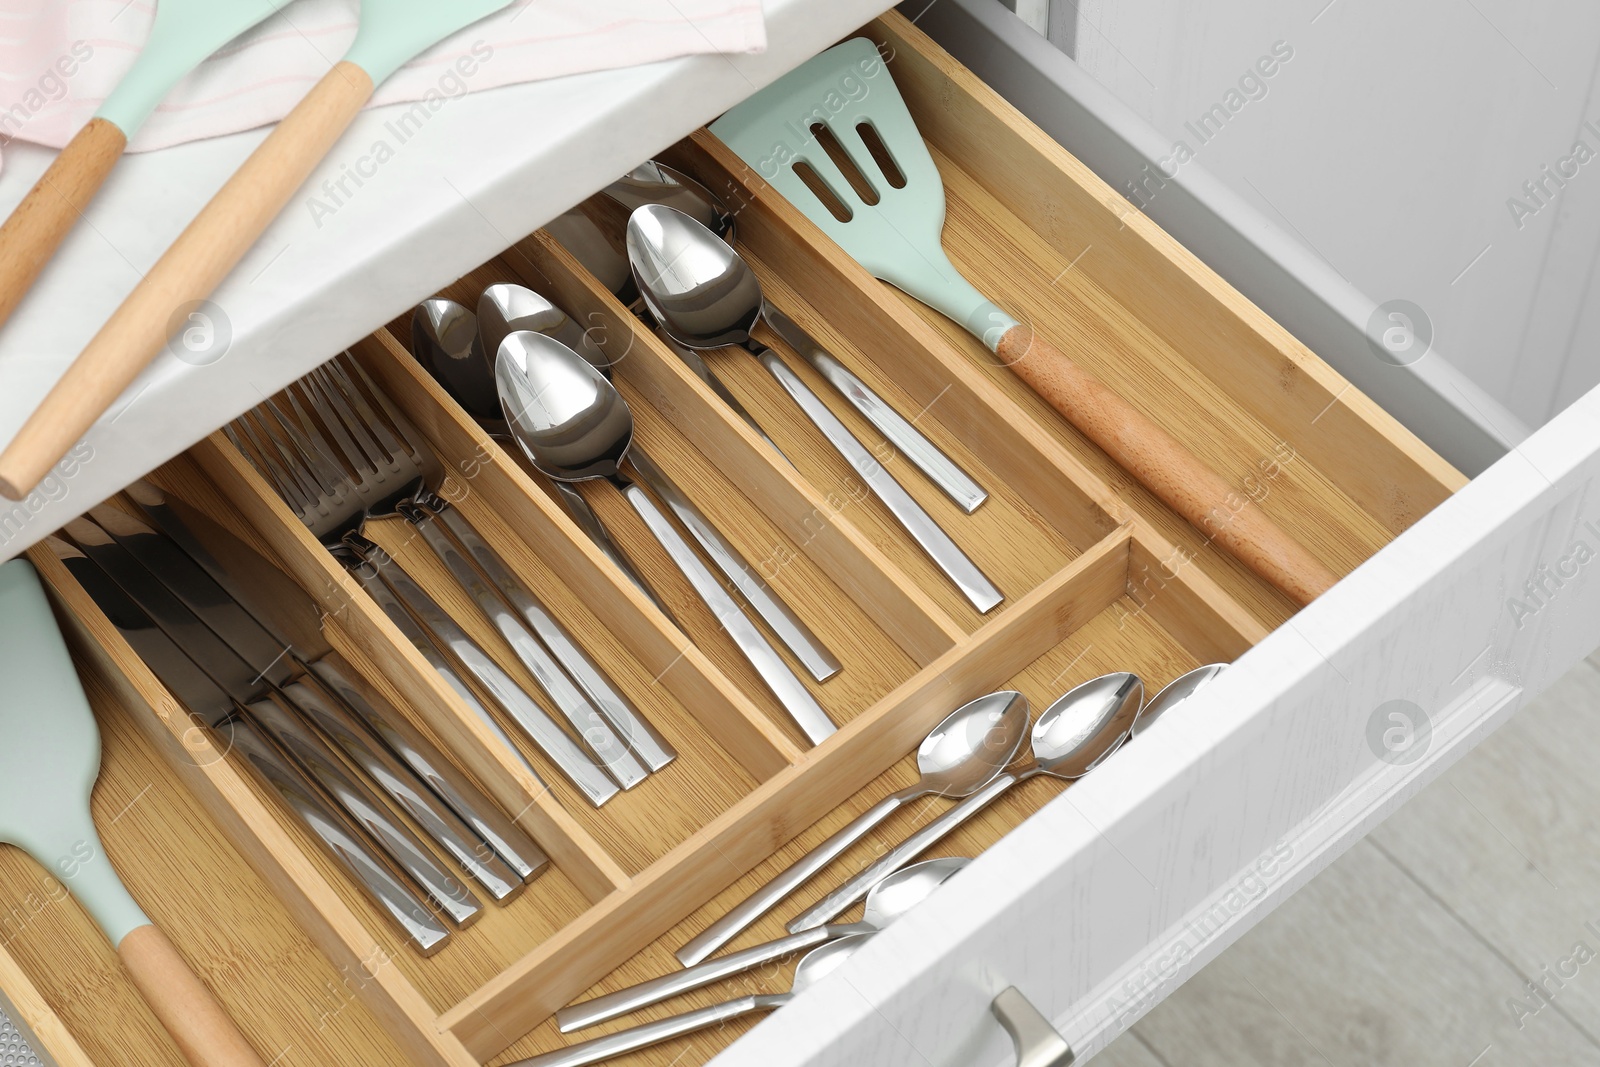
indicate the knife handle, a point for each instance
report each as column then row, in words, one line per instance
column 342, row 840
column 273, row 717
column 515, row 847
column 404, row 788
column 650, row 746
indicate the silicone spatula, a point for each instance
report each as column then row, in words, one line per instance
column 184, row 33
column 49, row 759
column 842, row 112
column 391, row 32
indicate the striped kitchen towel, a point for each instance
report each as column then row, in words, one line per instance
column 59, row 58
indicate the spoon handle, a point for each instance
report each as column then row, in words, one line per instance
column 941, row 470
column 793, row 877
column 829, row 907
column 945, row 553
column 790, row 691
column 635, row 997
column 638, row 1037
column 795, row 635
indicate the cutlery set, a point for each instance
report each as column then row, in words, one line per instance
column 240, row 646
column 965, row 757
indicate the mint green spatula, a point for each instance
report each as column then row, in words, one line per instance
column 185, row 33
column 49, row 759
column 391, row 32
column 836, row 139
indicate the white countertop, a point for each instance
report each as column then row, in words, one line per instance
column 486, row 170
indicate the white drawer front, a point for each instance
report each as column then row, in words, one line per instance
column 1108, row 898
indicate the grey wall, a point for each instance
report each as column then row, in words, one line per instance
column 1390, row 143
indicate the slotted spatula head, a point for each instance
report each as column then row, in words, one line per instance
column 393, row 32
column 834, row 136
column 50, row 754
column 185, row 32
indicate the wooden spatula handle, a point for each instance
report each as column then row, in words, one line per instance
column 190, row 270
column 47, row 214
column 203, row 1032
column 1165, row 467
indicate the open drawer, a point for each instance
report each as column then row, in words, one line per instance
column 1090, row 905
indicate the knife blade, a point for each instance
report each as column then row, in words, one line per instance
column 235, row 730
column 293, row 617
column 245, row 685
column 278, row 662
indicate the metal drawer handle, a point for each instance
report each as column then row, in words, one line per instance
column 1038, row 1043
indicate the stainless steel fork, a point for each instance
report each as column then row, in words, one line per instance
column 339, row 453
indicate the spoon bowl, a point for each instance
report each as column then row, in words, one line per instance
column 656, row 183
column 1086, row 724
column 966, row 751
column 1075, row 734
column 699, row 289
column 505, row 309
column 570, row 421
column 444, row 339
column 1174, row 693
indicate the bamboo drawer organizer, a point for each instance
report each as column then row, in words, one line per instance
column 1098, row 576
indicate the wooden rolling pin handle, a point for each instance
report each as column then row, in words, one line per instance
column 204, row 1033
column 47, row 214
column 189, row 271
column 1165, row 467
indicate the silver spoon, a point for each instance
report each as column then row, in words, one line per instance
column 575, row 426
column 447, row 340
column 813, row 967
column 1172, row 694
column 1071, row 738
column 504, row 309
column 657, row 183
column 706, row 297
column 960, row 756
column 888, row 901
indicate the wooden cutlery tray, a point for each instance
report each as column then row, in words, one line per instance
column 1098, row 576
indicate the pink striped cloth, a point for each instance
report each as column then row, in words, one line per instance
column 59, row 58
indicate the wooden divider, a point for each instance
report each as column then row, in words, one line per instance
column 535, row 986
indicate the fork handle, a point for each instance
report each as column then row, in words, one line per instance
column 1169, row 470
column 38, row 225
column 190, row 270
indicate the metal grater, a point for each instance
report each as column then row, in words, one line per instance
column 14, row 1050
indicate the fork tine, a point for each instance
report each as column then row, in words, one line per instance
column 345, row 371
column 360, row 449
column 302, row 431
column 269, row 420
column 267, row 462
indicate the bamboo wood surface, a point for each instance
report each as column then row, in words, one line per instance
column 187, row 1009
column 37, row 226
column 189, row 271
column 1099, row 575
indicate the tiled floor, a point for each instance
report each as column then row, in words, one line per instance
column 1418, row 946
